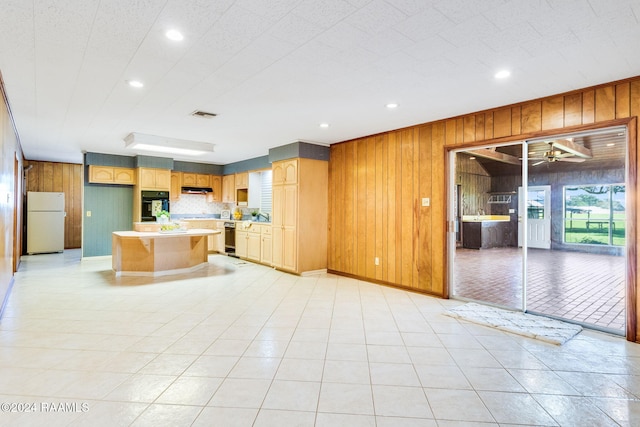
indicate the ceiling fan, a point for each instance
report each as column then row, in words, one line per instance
column 555, row 153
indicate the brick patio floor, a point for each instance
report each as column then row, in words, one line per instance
column 586, row 288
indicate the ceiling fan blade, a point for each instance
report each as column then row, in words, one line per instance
column 571, row 159
column 539, row 163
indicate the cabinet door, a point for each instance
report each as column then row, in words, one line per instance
column 216, row 186
column 277, row 203
column 242, row 180
column 241, row 243
column 101, row 174
column 202, row 180
column 176, row 185
column 289, row 248
column 163, row 179
column 147, row 177
column 124, row 176
column 228, row 189
column 290, row 206
column 277, row 242
column 266, row 248
column 285, row 172
column 253, row 246
column 188, row 179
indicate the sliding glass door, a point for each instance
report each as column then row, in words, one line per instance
column 540, row 226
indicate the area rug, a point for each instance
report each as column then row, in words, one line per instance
column 538, row 327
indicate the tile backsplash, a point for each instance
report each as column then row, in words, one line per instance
column 197, row 204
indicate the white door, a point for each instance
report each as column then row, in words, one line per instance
column 538, row 210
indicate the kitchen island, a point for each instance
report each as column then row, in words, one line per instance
column 136, row 253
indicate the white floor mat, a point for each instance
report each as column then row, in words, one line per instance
column 529, row 325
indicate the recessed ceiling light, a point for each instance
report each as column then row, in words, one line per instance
column 324, row 125
column 502, row 74
column 391, row 105
column 135, row 83
column 174, row 35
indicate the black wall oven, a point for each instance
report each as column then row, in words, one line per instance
column 153, row 201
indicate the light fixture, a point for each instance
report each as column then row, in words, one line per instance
column 611, row 144
column 324, row 125
column 161, row 144
column 391, row 105
column 174, row 35
column 502, row 74
column 472, row 158
column 135, row 83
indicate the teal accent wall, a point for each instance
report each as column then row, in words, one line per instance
column 198, row 167
column 154, row 162
column 111, row 209
column 247, row 165
column 109, row 160
column 299, row 149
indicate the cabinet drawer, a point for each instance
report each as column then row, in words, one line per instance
column 266, row 230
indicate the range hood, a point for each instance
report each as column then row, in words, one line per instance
column 196, row 190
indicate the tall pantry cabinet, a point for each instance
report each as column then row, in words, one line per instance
column 299, row 217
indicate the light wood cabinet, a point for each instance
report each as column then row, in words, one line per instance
column 216, row 186
column 228, row 189
column 242, row 180
column 218, row 239
column 154, row 179
column 254, row 243
column 285, row 172
column 195, row 180
column 300, row 212
column 176, row 186
column 111, row 175
column 266, row 249
column 241, row 243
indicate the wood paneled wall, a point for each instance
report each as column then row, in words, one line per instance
column 376, row 183
column 65, row 178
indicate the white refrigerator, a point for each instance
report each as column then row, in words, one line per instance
column 45, row 222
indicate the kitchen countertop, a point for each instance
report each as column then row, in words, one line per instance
column 486, row 218
column 155, row 234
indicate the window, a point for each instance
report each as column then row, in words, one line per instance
column 594, row 214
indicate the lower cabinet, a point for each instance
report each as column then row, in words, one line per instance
column 266, row 247
column 241, row 243
column 254, row 243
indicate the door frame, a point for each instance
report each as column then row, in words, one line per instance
column 632, row 302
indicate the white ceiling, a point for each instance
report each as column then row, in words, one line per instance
column 275, row 69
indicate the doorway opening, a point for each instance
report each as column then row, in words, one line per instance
column 541, row 227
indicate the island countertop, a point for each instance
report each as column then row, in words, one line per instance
column 172, row 233
column 157, row 253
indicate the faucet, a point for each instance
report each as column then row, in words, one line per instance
column 266, row 216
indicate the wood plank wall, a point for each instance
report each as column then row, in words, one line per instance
column 65, row 178
column 377, row 182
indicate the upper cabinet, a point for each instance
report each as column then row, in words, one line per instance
column 242, row 180
column 216, row 187
column 195, row 180
column 111, row 175
column 176, row 185
column 155, row 179
column 285, row 172
column 228, row 189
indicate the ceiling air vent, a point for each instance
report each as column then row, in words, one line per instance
column 199, row 113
